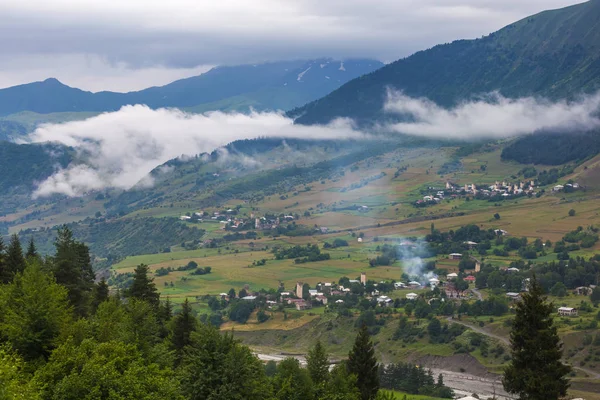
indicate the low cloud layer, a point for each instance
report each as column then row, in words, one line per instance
column 121, row 148
column 492, row 116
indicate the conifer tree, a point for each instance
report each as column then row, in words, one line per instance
column 536, row 371
column 184, row 324
column 143, row 287
column 5, row 275
column 317, row 364
column 31, row 250
column 166, row 313
column 363, row 364
column 72, row 268
column 100, row 294
column 15, row 262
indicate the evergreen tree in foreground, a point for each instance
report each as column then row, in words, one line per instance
column 317, row 364
column 184, row 324
column 31, row 250
column 5, row 275
column 15, row 262
column 72, row 268
column 536, row 371
column 100, row 294
column 363, row 363
column 143, row 287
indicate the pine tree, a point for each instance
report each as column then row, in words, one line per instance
column 72, row 268
column 166, row 312
column 31, row 250
column 15, row 262
column 318, row 364
column 536, row 371
column 5, row 275
column 363, row 364
column 184, row 324
column 143, row 287
column 100, row 294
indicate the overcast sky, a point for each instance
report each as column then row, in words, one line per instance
column 131, row 44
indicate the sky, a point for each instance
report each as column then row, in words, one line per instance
column 129, row 45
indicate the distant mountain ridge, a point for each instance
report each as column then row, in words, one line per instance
column 275, row 85
column 555, row 54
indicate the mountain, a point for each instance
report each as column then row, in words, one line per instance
column 554, row 54
column 23, row 165
column 275, row 85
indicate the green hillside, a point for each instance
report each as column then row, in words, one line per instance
column 553, row 54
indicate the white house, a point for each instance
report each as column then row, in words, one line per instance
column 249, row 298
column 384, row 301
column 185, row 218
column 455, row 256
column 452, row 276
column 567, row 312
column 339, row 301
column 399, row 285
column 412, row 296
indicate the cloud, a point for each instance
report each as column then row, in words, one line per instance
column 142, row 34
column 119, row 149
column 492, row 116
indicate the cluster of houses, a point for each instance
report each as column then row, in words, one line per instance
column 263, row 223
column 504, row 189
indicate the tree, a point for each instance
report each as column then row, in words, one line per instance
column 363, row 364
column 292, row 382
column 72, row 268
column 496, row 216
column 595, row 296
column 99, row 294
column 434, row 329
column 14, row 382
column 143, row 287
column 318, row 364
column 14, row 261
column 31, row 250
column 110, row 371
column 536, row 371
column 559, row 290
column 5, row 275
column 572, row 212
column 34, row 310
column 231, row 294
column 217, row 367
column 341, row 385
column 184, row 324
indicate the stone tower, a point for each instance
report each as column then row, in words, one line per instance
column 363, row 278
column 299, row 287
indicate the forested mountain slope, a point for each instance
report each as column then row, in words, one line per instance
column 554, row 54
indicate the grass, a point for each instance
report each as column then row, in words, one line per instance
column 406, row 396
